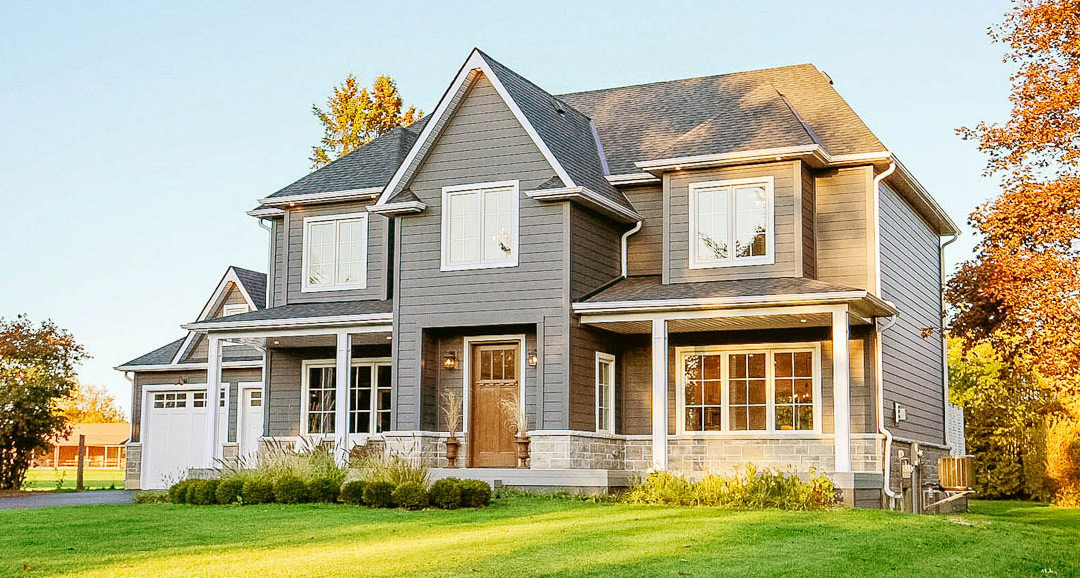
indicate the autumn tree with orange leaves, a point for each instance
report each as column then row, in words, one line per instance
column 1021, row 292
column 355, row 116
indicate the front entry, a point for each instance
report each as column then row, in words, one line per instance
column 494, row 376
column 251, row 421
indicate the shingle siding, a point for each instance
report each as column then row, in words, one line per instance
column 911, row 278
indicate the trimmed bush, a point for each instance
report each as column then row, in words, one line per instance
column 323, row 490
column 353, row 493
column 151, row 497
column 229, row 490
column 411, row 496
column 379, row 495
column 257, row 491
column 203, row 493
column 757, row 488
column 290, row 490
column 178, row 492
column 446, row 493
column 475, row 493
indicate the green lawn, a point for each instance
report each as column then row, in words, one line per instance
column 93, row 479
column 535, row 537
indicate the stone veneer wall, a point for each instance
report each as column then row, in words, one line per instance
column 133, row 469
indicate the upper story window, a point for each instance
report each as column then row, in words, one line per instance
column 731, row 223
column 480, row 226
column 335, row 252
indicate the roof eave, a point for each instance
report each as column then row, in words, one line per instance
column 393, row 209
column 291, row 323
column 588, row 198
column 363, row 194
column 873, row 304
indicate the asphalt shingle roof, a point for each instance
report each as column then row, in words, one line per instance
column 307, row 310
column 160, row 356
column 255, row 285
column 651, row 287
column 726, row 113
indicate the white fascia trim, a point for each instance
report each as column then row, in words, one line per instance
column 475, row 61
column 950, row 227
column 215, row 300
column 588, row 197
column 401, row 208
column 328, row 321
column 633, row 179
column 190, row 366
column 348, row 194
column 265, row 212
column 728, row 302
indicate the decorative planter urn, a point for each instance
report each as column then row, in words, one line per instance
column 521, row 448
column 452, row 447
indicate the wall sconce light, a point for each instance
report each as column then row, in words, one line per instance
column 450, row 360
column 532, row 358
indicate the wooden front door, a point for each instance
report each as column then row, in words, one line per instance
column 494, row 375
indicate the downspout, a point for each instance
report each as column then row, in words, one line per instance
column 130, row 377
column 945, row 345
column 269, row 262
column 881, row 327
column 626, row 235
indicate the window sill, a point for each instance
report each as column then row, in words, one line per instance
column 324, row 289
column 471, row 267
column 739, row 263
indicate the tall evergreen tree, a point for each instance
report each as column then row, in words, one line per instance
column 355, row 116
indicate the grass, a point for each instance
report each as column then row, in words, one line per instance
column 535, row 536
column 93, row 479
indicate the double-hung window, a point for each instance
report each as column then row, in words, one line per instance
column 480, row 226
column 335, row 252
column 605, row 392
column 771, row 388
column 731, row 223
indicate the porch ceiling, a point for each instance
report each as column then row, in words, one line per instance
column 783, row 321
column 326, row 340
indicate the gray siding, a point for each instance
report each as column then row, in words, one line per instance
column 809, row 203
column 911, row 278
column 841, row 226
column 677, row 213
column 595, row 251
column 584, row 344
column 231, row 377
column 483, row 142
column 645, row 249
column 376, row 261
column 277, row 263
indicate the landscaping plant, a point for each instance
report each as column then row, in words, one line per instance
column 379, row 494
column 756, row 489
column 203, row 492
column 257, row 491
column 475, row 493
column 353, row 493
column 446, row 493
column 323, row 490
column 230, row 490
column 391, row 468
column 290, row 490
column 410, row 496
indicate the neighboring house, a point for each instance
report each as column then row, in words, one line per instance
column 103, row 447
column 687, row 275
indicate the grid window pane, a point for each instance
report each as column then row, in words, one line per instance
column 383, row 410
column 794, row 391
column 703, row 392
column 751, row 219
column 605, row 390
column 320, row 253
column 464, row 234
column 322, row 400
column 498, row 225
column 351, row 252
column 747, row 400
column 712, row 224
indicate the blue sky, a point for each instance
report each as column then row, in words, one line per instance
column 133, row 137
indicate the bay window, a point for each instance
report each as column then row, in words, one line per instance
column 767, row 388
column 731, row 223
column 335, row 252
column 480, row 226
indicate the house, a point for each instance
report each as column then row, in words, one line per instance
column 103, row 447
column 687, row 275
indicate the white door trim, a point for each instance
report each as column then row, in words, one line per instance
column 466, row 377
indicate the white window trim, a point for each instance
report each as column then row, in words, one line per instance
column 447, row 192
column 605, row 358
column 308, row 364
column 308, row 221
column 770, row 225
column 681, row 353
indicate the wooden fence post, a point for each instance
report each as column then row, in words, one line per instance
column 82, row 459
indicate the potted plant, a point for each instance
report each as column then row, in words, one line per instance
column 451, row 409
column 518, row 422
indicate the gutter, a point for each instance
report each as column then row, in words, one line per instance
column 652, row 305
column 292, row 323
column 877, row 226
column 626, row 236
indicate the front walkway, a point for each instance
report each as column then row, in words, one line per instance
column 47, row 499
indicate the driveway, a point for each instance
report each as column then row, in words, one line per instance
column 47, row 499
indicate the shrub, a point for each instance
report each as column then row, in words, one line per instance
column 446, row 493
column 353, row 493
column 475, row 493
column 230, row 490
column 306, row 461
column 290, row 490
column 257, row 491
column 152, row 497
column 1063, row 460
column 323, row 490
column 203, row 493
column 177, row 492
column 394, row 469
column 762, row 488
column 379, row 495
column 411, row 496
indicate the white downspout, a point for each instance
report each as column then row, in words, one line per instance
column 626, row 235
column 945, row 344
column 269, row 263
column 881, row 328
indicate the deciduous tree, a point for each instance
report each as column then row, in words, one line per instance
column 354, row 116
column 37, row 371
column 90, row 404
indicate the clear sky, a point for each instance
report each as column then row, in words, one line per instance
column 133, row 137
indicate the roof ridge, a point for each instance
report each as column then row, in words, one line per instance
column 531, row 83
column 703, row 77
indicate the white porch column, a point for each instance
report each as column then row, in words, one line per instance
column 341, row 404
column 841, row 390
column 213, row 391
column 659, row 394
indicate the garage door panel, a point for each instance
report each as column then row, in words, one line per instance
column 174, row 440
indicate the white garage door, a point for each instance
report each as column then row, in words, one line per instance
column 174, row 438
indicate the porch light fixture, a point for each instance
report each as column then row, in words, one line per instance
column 450, row 360
column 532, row 358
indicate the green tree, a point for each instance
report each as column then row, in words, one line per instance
column 90, row 404
column 37, row 371
column 355, row 116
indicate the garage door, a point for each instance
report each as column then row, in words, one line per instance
column 174, row 438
